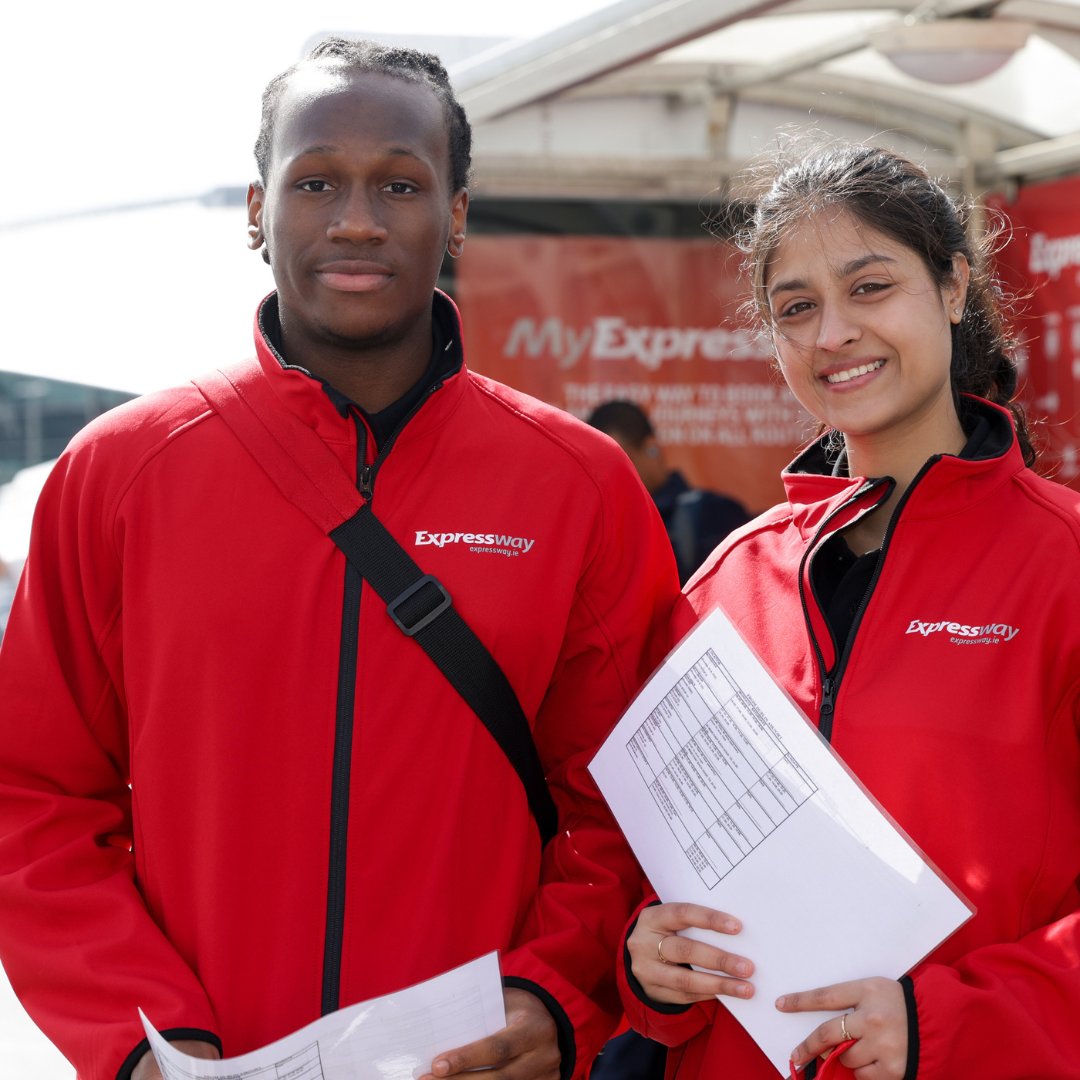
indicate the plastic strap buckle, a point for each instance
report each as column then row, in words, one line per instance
column 429, row 615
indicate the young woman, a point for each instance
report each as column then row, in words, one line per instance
column 919, row 597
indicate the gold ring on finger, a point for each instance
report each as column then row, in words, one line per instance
column 843, row 1028
column 660, row 949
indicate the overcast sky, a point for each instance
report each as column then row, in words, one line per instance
column 109, row 103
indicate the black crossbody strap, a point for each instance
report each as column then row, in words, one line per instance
column 422, row 608
column 310, row 476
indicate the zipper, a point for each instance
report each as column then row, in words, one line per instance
column 341, row 770
column 366, row 481
column 831, row 679
column 366, row 473
column 828, row 702
column 344, row 721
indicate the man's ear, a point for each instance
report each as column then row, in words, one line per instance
column 255, row 197
column 459, row 211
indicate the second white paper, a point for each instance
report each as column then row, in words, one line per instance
column 388, row 1038
column 731, row 799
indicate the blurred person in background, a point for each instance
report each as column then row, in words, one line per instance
column 696, row 519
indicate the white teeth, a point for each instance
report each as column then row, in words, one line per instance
column 854, row 373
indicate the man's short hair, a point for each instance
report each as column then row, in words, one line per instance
column 369, row 56
column 624, row 419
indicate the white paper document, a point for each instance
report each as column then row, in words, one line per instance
column 730, row 798
column 395, row 1037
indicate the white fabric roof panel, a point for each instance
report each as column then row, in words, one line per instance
column 813, row 63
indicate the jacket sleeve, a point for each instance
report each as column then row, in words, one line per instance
column 1005, row 1010
column 671, row 1025
column 76, row 939
column 1009, row 1008
column 590, row 880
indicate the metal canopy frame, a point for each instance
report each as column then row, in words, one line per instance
column 986, row 136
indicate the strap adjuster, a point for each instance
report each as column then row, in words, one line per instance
column 423, row 616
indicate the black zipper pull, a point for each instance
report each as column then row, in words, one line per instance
column 828, row 700
column 366, row 481
column 827, row 690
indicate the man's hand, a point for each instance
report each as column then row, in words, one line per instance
column 526, row 1049
column 147, row 1069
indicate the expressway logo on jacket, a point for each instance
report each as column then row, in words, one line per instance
column 965, row 633
column 478, row 543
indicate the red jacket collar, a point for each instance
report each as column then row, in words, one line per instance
column 947, row 483
column 303, row 394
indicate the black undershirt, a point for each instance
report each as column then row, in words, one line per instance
column 386, row 421
column 841, row 579
column 444, row 361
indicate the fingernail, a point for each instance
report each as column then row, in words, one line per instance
column 743, row 968
column 744, row 991
column 781, row 1002
column 732, row 926
column 441, row 1067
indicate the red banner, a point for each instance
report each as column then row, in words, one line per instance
column 1041, row 263
column 579, row 320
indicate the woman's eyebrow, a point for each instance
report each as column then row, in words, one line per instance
column 790, row 285
column 849, row 268
column 862, row 262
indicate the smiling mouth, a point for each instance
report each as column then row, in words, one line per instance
column 853, row 373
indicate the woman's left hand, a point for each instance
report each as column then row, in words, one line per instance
column 876, row 1017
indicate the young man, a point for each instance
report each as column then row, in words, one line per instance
column 232, row 791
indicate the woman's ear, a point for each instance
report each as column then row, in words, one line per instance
column 955, row 292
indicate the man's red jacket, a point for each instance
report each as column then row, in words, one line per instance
column 172, row 701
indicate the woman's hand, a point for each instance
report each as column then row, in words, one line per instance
column 876, row 1019
column 657, row 955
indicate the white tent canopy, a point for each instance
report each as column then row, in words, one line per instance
column 676, row 93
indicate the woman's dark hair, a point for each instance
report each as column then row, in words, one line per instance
column 368, row 56
column 898, row 198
